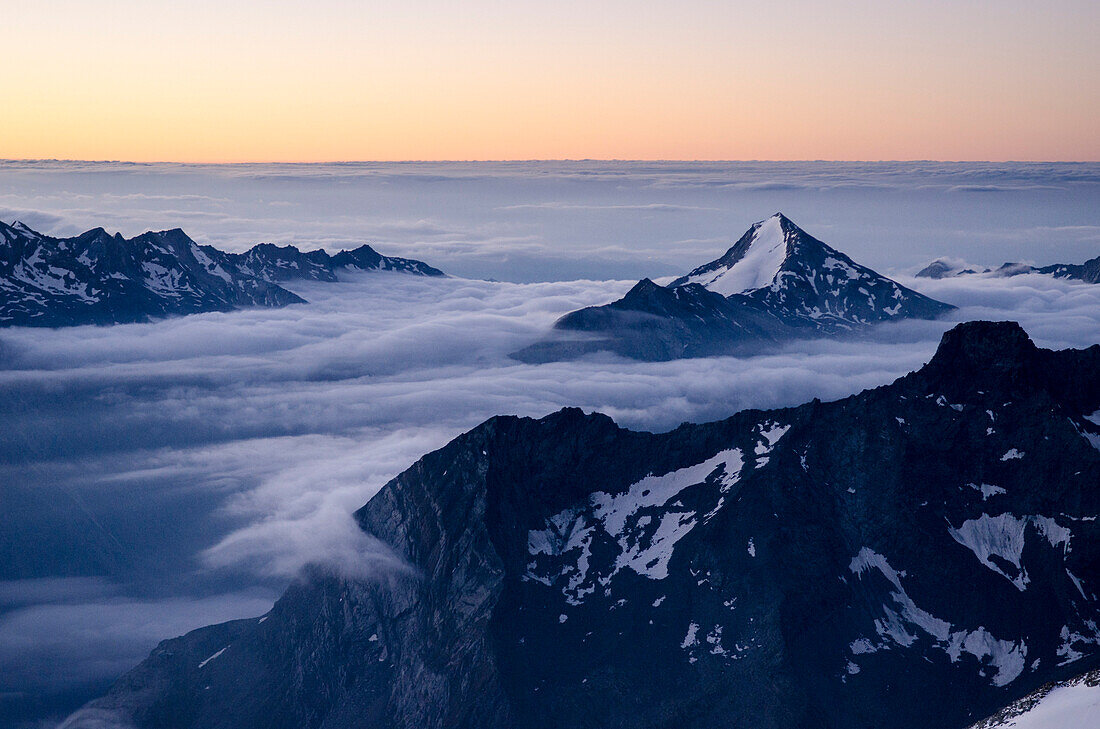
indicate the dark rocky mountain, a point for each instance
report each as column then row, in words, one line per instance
column 778, row 283
column 917, row 555
column 286, row 263
column 98, row 278
column 1089, row 271
column 657, row 323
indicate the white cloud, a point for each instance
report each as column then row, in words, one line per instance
column 255, row 434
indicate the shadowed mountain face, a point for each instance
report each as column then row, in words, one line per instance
column 775, row 284
column 917, row 555
column 1089, row 271
column 96, row 278
column 657, row 323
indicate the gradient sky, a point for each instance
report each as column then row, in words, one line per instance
column 211, row 80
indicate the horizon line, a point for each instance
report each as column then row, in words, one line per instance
column 542, row 160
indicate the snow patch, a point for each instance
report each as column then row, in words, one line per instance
column 1075, row 703
column 689, row 638
column 757, row 268
column 902, row 621
column 1003, row 536
column 987, row 490
column 203, row 664
column 641, row 526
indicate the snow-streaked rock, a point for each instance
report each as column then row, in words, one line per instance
column 775, row 284
column 97, row 278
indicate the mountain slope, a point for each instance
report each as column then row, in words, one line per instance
column 830, row 565
column 779, row 283
column 653, row 322
column 97, row 278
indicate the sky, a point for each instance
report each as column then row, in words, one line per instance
column 326, row 80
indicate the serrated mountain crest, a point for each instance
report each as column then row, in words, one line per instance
column 99, row 278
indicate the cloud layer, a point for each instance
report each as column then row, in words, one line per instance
column 162, row 476
column 540, row 221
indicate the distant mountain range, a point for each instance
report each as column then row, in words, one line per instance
column 1089, row 271
column 775, row 284
column 98, row 278
column 917, row 555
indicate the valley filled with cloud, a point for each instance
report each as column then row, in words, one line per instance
column 168, row 475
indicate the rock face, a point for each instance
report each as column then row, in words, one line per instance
column 775, row 284
column 97, row 278
column 657, row 323
column 829, row 565
column 1089, row 271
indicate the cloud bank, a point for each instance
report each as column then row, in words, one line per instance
column 167, row 475
column 542, row 221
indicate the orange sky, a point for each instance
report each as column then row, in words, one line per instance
column 425, row 79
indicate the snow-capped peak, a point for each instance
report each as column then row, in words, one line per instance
column 781, row 267
column 17, row 231
column 752, row 263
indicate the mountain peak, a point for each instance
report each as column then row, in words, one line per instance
column 22, row 227
column 983, row 351
column 985, row 344
column 95, row 235
column 751, row 263
column 644, row 286
column 783, row 220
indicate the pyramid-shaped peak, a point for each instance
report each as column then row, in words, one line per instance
column 786, row 223
column 22, row 227
column 752, row 262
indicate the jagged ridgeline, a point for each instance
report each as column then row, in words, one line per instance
column 918, row 555
column 777, row 283
column 1088, row 272
column 98, row 278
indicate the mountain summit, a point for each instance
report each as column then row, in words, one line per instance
column 776, row 283
column 753, row 262
column 907, row 557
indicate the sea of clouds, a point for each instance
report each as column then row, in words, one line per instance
column 555, row 221
column 162, row 476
